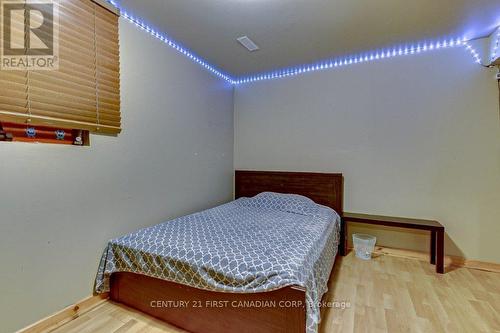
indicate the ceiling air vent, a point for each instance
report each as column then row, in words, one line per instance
column 247, row 43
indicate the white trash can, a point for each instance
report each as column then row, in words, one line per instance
column 364, row 245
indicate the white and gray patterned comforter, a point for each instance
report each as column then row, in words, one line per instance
column 248, row 245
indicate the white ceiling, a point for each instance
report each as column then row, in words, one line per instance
column 293, row 32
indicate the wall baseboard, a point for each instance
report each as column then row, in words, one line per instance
column 476, row 264
column 450, row 261
column 66, row 315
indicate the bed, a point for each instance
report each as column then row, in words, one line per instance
column 256, row 264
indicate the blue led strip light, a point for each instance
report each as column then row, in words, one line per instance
column 496, row 46
column 473, row 52
column 327, row 64
column 140, row 24
column 356, row 59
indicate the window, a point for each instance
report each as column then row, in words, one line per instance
column 83, row 94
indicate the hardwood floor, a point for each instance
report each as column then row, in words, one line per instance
column 386, row 294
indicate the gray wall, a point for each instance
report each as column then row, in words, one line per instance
column 59, row 205
column 415, row 136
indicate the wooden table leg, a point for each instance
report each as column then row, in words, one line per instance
column 440, row 252
column 433, row 247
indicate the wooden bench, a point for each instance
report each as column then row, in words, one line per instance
column 436, row 229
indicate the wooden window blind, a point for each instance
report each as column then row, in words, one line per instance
column 84, row 93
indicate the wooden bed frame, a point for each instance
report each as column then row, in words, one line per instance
column 202, row 311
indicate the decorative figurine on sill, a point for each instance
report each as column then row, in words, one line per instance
column 31, row 132
column 78, row 134
column 4, row 136
column 60, row 134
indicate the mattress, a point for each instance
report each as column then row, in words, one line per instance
column 248, row 245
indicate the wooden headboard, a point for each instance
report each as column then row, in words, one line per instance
column 323, row 188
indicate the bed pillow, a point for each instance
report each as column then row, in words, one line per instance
column 292, row 203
